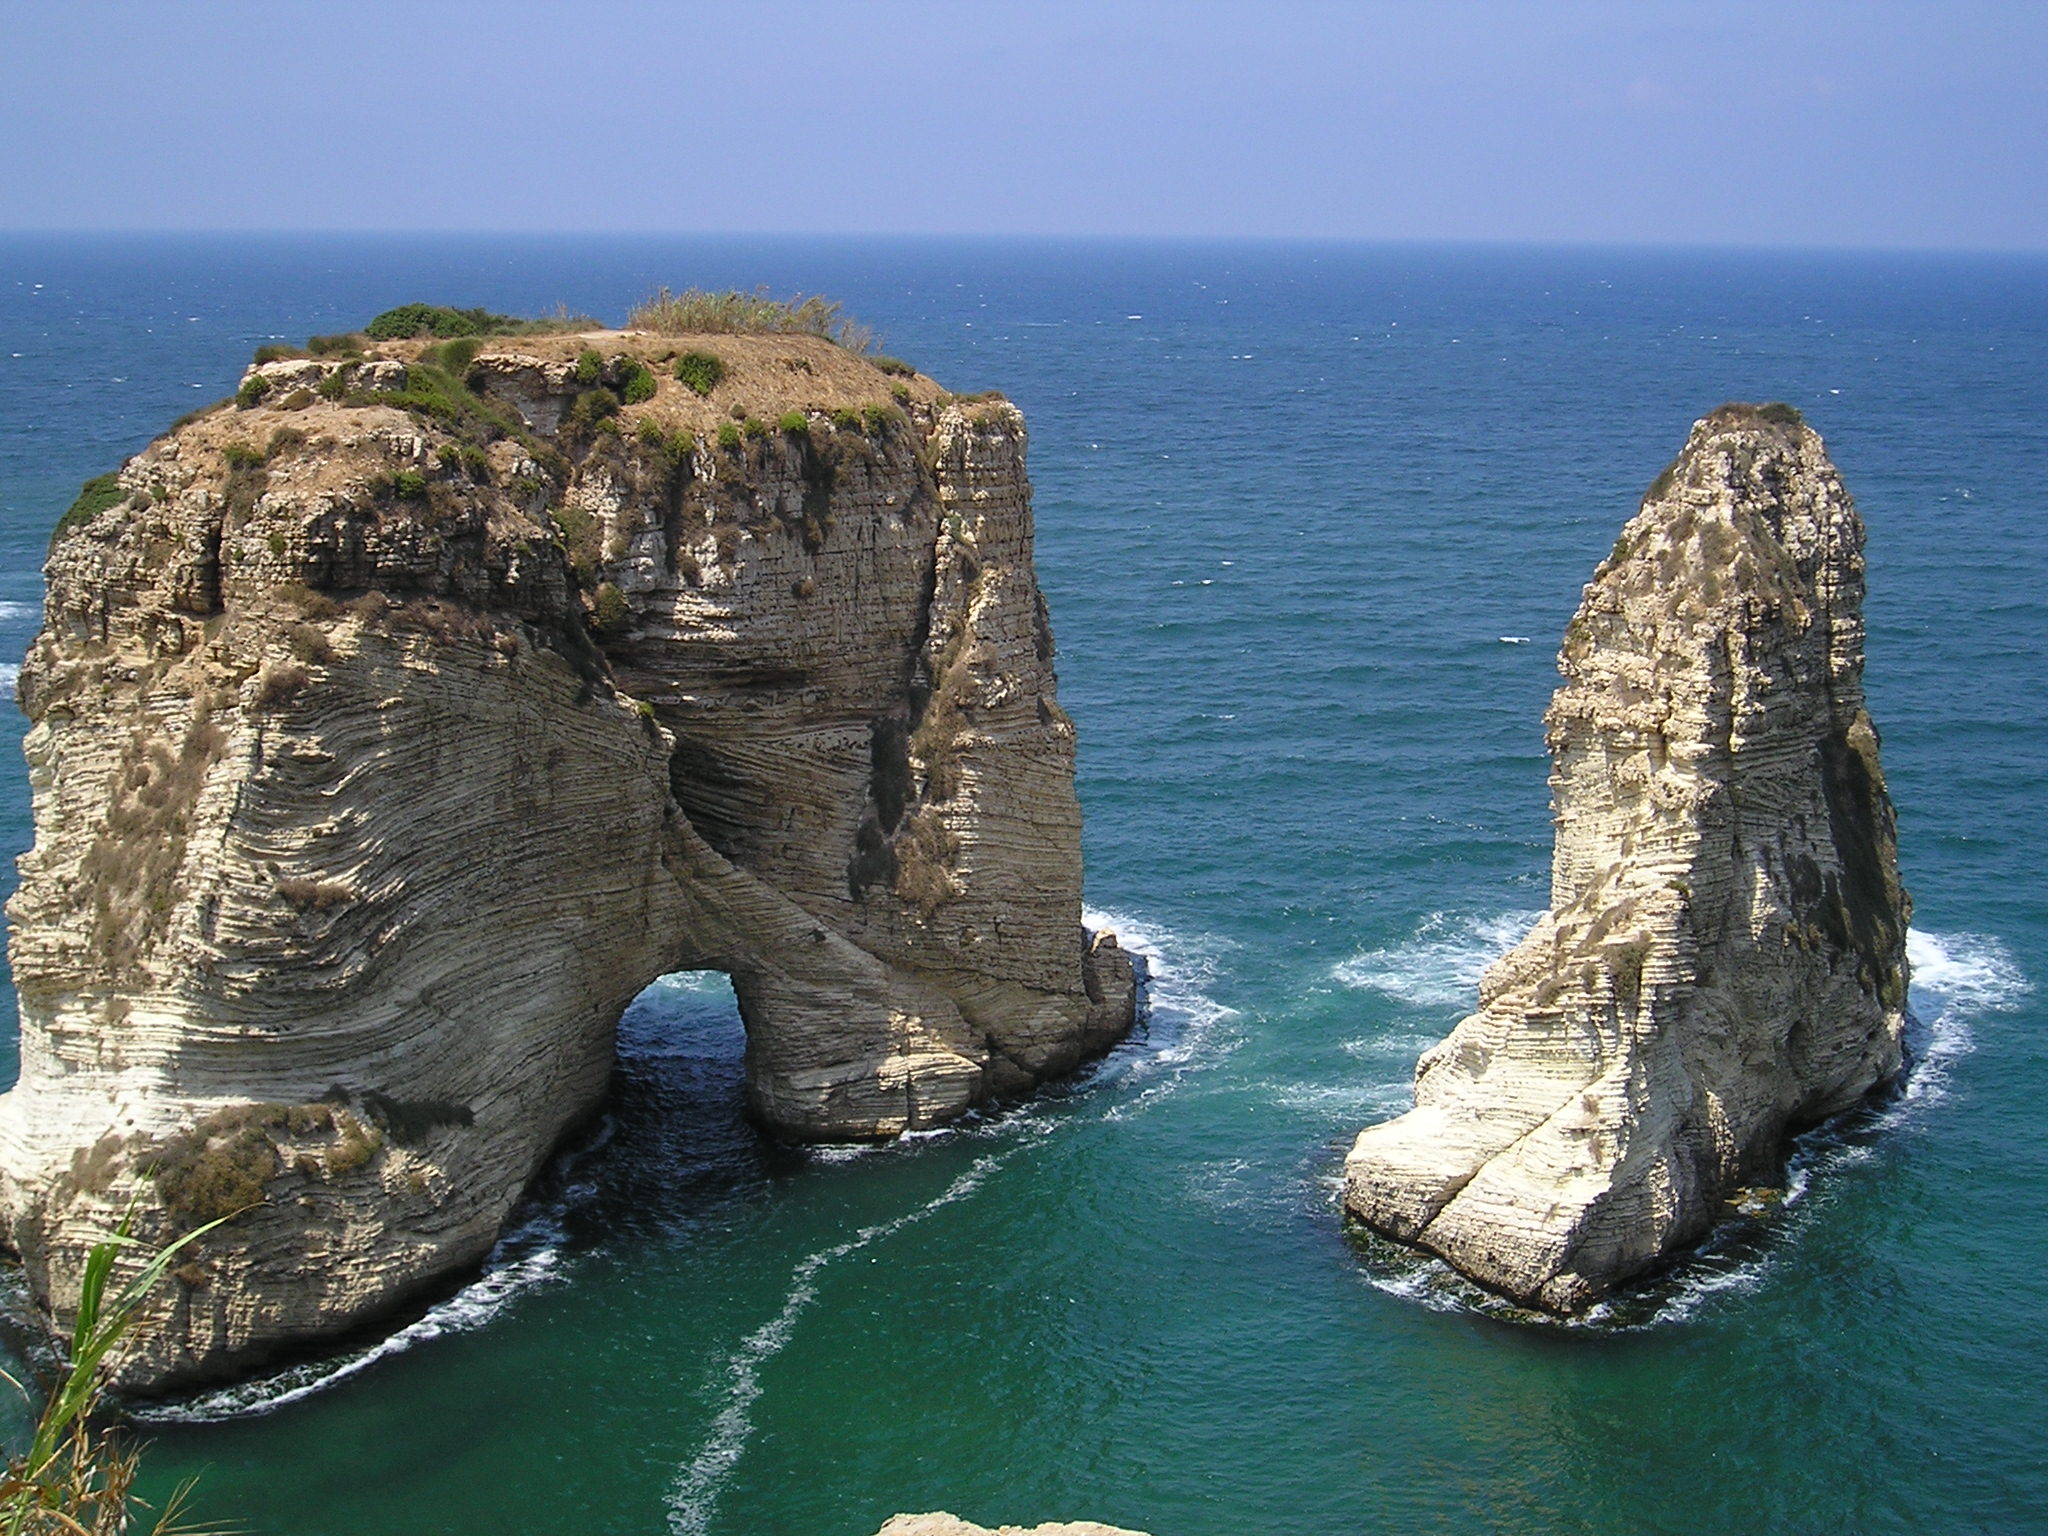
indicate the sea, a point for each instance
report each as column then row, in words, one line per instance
column 1311, row 519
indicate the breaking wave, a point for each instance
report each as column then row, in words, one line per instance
column 1184, row 1027
column 1958, row 979
column 1440, row 966
column 526, row 1257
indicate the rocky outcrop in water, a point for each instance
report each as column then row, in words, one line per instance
column 395, row 727
column 943, row 1524
column 1723, row 961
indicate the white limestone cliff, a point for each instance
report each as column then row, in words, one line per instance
column 1723, row 961
column 384, row 748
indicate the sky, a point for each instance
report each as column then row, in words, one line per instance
column 1870, row 123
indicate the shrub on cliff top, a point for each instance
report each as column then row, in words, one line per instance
column 409, row 320
column 696, row 310
column 636, row 383
column 700, row 371
column 94, row 497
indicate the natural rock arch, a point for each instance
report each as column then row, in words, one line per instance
column 380, row 761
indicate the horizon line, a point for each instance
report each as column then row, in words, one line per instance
column 987, row 237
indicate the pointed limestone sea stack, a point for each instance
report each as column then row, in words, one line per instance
column 1724, row 959
column 394, row 726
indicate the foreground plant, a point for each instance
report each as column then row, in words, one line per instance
column 74, row 1478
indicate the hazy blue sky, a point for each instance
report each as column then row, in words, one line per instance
column 1836, row 122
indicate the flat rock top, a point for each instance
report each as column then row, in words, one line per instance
column 939, row 1523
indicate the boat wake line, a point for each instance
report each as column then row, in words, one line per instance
column 1185, row 1028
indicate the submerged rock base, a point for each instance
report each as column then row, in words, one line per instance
column 394, row 728
column 1723, row 961
column 942, row 1524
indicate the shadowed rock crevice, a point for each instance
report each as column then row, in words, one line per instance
column 1723, row 961
column 380, row 760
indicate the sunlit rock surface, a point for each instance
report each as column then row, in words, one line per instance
column 392, row 731
column 1723, row 961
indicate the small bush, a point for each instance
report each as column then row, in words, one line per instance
column 648, row 432
column 894, row 365
column 310, row 895
column 753, row 426
column 699, row 371
column 846, row 418
column 220, row 1165
column 314, row 605
column 297, row 400
column 795, row 424
column 334, row 386
column 409, row 485
column 242, row 456
column 590, row 410
column 611, row 613
column 335, row 346
column 638, row 384
column 464, row 459
column 310, row 644
column 589, row 367
column 581, row 537
column 1779, row 414
column 94, row 497
column 728, row 435
column 275, row 352
column 409, row 320
column 281, row 680
column 900, row 393
column 253, row 389
column 452, row 357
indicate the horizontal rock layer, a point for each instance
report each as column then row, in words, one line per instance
column 396, row 729
column 1723, row 961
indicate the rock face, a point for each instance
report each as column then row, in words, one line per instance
column 1723, row 961
column 397, row 727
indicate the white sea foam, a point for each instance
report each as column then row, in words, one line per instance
column 1958, row 979
column 10, row 674
column 525, row 1258
column 1186, row 1027
column 1441, row 965
column 693, row 1496
column 9, row 612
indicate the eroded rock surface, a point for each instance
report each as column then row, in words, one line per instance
column 384, row 749
column 1723, row 961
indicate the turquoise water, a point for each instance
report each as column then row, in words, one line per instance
column 1298, row 508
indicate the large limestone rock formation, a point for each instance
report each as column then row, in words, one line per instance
column 1723, row 961
column 394, row 729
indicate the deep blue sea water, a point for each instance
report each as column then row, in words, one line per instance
column 1298, row 507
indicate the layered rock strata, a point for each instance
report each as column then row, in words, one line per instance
column 394, row 729
column 1723, row 961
